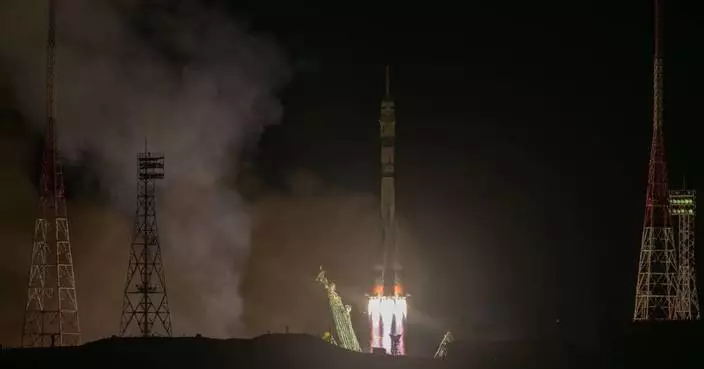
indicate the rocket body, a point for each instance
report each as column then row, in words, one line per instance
column 387, row 304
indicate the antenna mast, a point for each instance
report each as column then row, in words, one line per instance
column 51, row 311
column 656, row 289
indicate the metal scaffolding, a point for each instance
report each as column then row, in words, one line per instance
column 442, row 349
column 656, row 288
column 683, row 208
column 340, row 314
column 145, row 306
column 51, row 311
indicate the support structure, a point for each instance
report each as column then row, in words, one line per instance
column 340, row 314
column 447, row 339
column 656, row 288
column 145, row 305
column 387, row 304
column 683, row 207
column 51, row 311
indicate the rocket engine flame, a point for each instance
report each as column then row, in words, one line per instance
column 387, row 317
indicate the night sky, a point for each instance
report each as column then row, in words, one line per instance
column 523, row 137
column 523, row 131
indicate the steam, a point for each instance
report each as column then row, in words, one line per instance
column 197, row 86
column 315, row 223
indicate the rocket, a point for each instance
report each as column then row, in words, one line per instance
column 387, row 307
column 388, row 282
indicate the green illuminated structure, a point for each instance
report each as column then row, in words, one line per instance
column 683, row 206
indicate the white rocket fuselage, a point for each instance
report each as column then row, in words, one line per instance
column 387, row 304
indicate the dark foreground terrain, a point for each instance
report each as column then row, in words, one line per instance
column 678, row 346
column 268, row 351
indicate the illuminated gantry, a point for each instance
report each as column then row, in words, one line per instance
column 340, row 314
column 683, row 207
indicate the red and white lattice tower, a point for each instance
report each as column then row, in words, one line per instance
column 656, row 287
column 51, row 311
column 387, row 306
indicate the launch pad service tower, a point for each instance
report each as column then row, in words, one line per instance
column 387, row 304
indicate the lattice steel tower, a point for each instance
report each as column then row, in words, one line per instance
column 145, row 305
column 683, row 207
column 51, row 312
column 656, row 288
column 340, row 314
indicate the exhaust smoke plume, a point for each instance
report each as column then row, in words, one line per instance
column 194, row 83
column 311, row 223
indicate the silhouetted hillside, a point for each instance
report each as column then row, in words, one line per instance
column 646, row 346
column 640, row 346
column 268, row 351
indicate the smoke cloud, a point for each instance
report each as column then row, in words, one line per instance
column 312, row 223
column 194, row 83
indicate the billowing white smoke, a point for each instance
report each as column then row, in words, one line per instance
column 198, row 87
